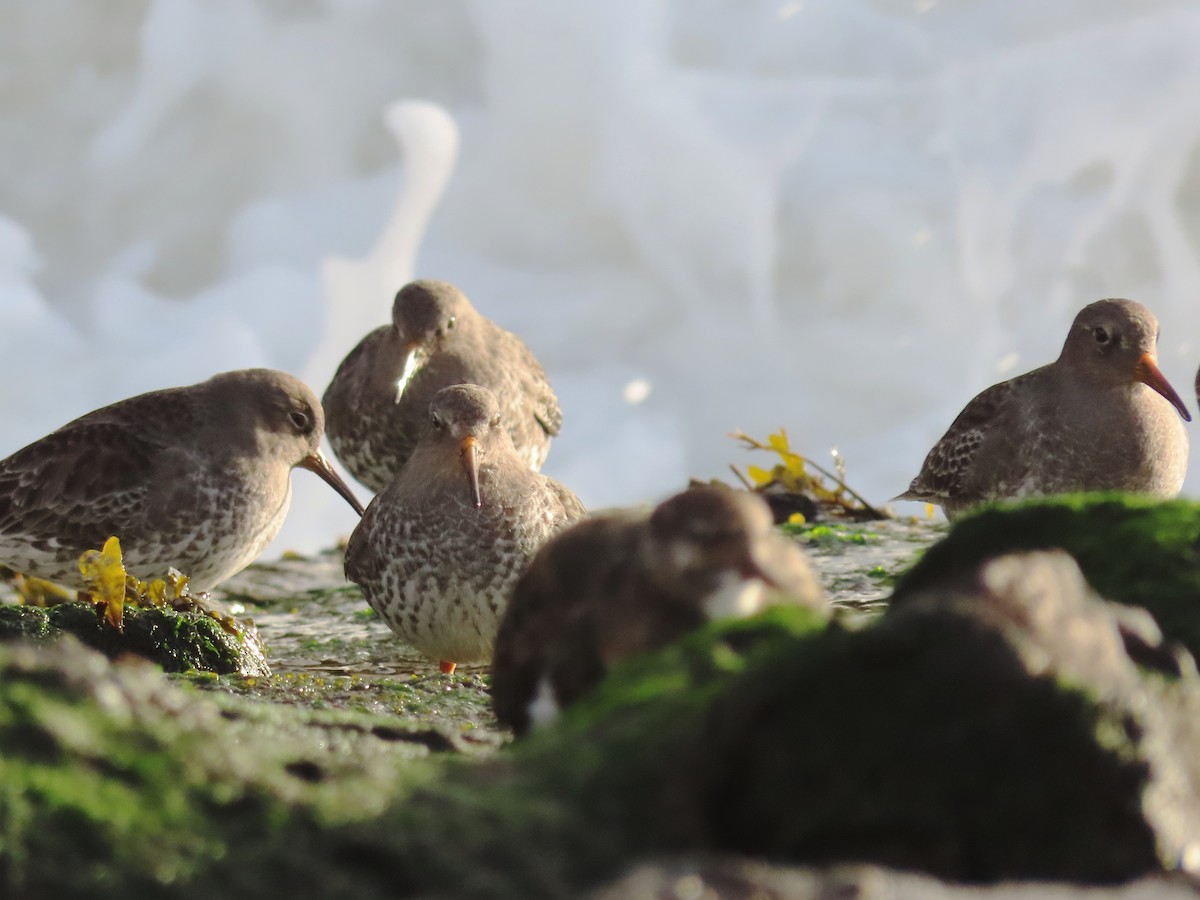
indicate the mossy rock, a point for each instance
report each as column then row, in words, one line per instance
column 23, row 622
column 921, row 742
column 154, row 790
column 117, row 782
column 177, row 641
column 1131, row 549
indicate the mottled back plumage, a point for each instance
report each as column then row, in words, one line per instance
column 437, row 552
column 1098, row 418
column 193, row 477
column 379, row 398
column 623, row 583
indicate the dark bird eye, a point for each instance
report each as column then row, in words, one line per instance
column 451, row 322
column 1100, row 333
column 495, row 421
column 435, row 420
column 299, row 419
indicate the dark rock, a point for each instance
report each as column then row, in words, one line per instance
column 785, row 504
column 992, row 728
column 957, row 737
column 117, row 783
column 177, row 641
column 1134, row 550
column 22, row 622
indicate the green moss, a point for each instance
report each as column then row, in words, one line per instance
column 115, row 783
column 825, row 535
column 435, row 709
column 1131, row 549
column 177, row 641
column 920, row 742
column 23, row 622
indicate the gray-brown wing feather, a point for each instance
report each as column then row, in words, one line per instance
column 548, row 631
column 78, row 485
column 947, row 466
column 573, row 509
column 541, row 396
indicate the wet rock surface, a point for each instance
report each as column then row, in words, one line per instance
column 999, row 722
column 741, row 879
column 177, row 641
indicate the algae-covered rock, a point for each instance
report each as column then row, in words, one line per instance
column 177, row 641
column 1131, row 549
column 23, row 622
column 114, row 782
column 941, row 740
column 937, row 740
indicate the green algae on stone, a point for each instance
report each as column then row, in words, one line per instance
column 920, row 741
column 116, row 783
column 440, row 712
column 1132, row 549
column 17, row 621
column 177, row 641
column 885, row 744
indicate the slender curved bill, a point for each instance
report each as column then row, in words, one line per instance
column 471, row 465
column 1148, row 373
column 317, row 463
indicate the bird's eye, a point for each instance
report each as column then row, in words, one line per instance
column 495, row 421
column 1100, row 333
column 299, row 419
column 451, row 322
column 435, row 420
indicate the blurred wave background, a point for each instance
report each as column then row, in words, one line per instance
column 844, row 217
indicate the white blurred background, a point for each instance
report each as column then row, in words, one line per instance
column 845, row 217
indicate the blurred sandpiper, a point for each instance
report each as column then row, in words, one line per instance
column 1102, row 417
column 623, row 583
column 379, row 398
column 437, row 552
column 195, row 477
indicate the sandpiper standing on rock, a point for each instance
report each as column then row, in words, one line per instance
column 379, row 398
column 1099, row 418
column 193, row 477
column 623, row 583
column 437, row 552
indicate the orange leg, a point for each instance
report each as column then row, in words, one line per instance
column 447, row 668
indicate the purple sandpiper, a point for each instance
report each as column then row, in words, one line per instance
column 1099, row 418
column 194, row 477
column 626, row 582
column 437, row 552
column 379, row 398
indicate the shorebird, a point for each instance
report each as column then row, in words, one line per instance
column 194, row 477
column 1099, row 418
column 379, row 398
column 623, row 583
column 437, row 552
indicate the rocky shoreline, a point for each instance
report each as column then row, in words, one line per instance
column 983, row 719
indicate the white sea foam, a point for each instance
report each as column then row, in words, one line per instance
column 840, row 216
